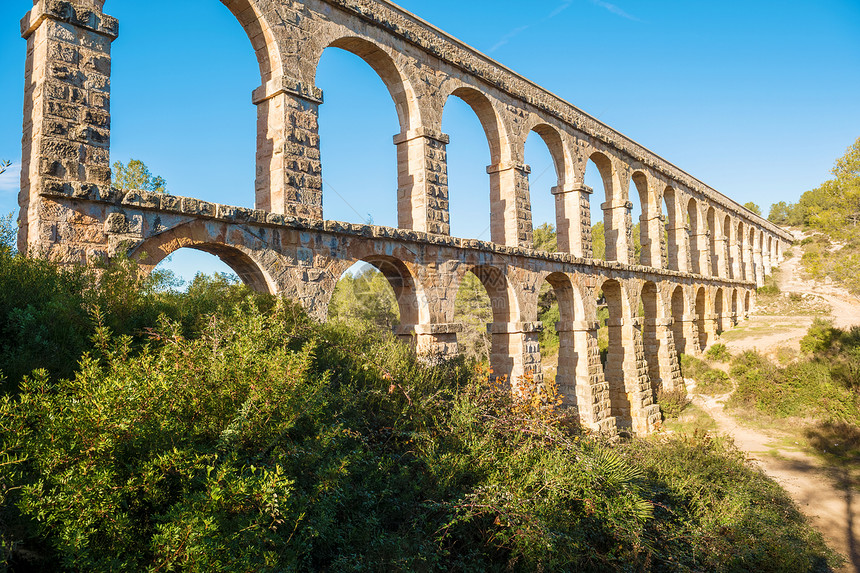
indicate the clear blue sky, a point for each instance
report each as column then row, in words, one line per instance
column 756, row 98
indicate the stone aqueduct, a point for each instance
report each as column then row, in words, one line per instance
column 699, row 280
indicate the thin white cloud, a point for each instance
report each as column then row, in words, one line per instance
column 10, row 181
column 508, row 37
column 564, row 5
column 614, row 9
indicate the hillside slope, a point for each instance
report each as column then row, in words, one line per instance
column 826, row 489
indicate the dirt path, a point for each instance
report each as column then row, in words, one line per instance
column 845, row 307
column 823, row 492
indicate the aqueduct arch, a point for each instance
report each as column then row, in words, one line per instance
column 239, row 252
column 72, row 214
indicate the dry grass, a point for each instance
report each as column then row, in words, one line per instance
column 692, row 419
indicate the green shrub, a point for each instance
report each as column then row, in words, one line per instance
column 708, row 380
column 692, row 367
column 246, row 437
column 819, row 338
column 714, row 382
column 673, row 402
column 48, row 313
column 806, row 388
column 44, row 321
column 786, row 355
column 718, row 352
column 735, row 512
column 769, row 288
column 837, row 442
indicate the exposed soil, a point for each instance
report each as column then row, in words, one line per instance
column 825, row 493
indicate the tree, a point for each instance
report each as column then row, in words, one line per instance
column 545, row 238
column 598, row 242
column 847, row 172
column 366, row 296
column 847, row 168
column 834, row 206
column 753, row 207
column 136, row 175
column 780, row 213
column 8, row 232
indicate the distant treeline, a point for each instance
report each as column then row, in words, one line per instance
column 831, row 213
column 833, row 207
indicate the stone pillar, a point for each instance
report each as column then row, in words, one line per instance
column 627, row 374
column 660, row 353
column 651, row 346
column 510, row 205
column 767, row 261
column 515, row 350
column 759, row 266
column 580, row 379
column 686, row 334
column 671, row 378
column 652, row 244
column 693, row 257
column 616, row 229
column 719, row 260
column 289, row 170
column 573, row 217
column 644, row 411
column 735, row 259
column 569, row 362
column 678, row 248
column 66, row 140
column 714, row 325
column 432, row 340
column 700, row 255
column 749, row 264
column 585, row 210
column 422, row 177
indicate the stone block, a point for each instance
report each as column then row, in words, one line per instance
column 140, row 198
column 191, row 206
column 171, row 203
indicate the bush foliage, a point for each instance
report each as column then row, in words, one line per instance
column 832, row 211
column 711, row 381
column 824, row 385
column 718, row 352
column 225, row 431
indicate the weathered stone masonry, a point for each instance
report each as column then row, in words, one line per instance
column 696, row 283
